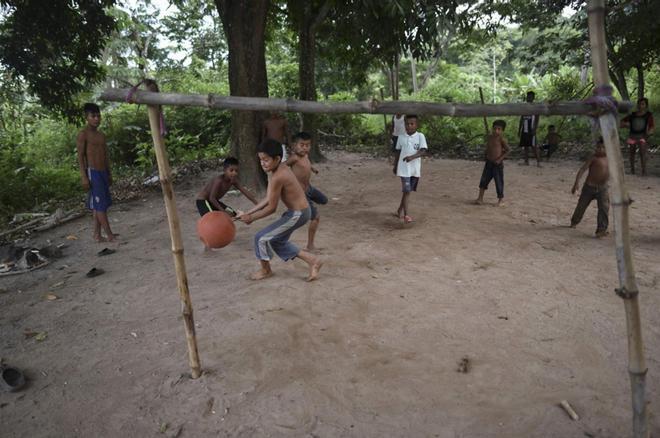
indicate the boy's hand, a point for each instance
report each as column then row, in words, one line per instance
column 245, row 218
column 407, row 159
column 316, row 172
column 574, row 189
column 85, row 183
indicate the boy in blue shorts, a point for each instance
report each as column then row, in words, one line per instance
column 409, row 150
column 95, row 171
column 275, row 237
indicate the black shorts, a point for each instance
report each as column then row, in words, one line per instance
column 204, row 206
column 527, row 140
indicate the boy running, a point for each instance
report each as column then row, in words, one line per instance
column 496, row 150
column 95, row 171
column 302, row 168
column 594, row 187
column 410, row 147
column 275, row 237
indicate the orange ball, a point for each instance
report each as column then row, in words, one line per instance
column 216, row 229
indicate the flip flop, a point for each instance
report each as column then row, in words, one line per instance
column 94, row 272
column 105, row 252
column 408, row 219
column 11, row 379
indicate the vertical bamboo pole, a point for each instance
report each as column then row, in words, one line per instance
column 165, row 176
column 620, row 202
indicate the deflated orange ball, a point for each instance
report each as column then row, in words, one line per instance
column 216, row 229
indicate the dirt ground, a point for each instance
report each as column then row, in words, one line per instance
column 369, row 350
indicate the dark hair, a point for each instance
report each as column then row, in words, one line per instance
column 531, row 93
column 229, row 161
column 302, row 135
column 501, row 123
column 643, row 99
column 551, row 127
column 270, row 147
column 410, row 116
column 91, row 108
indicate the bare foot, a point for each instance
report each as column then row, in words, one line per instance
column 314, row 270
column 261, row 274
column 99, row 238
column 112, row 237
column 602, row 233
column 501, row 203
column 573, row 226
column 478, row 201
column 397, row 214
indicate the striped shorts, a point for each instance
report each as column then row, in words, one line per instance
column 275, row 237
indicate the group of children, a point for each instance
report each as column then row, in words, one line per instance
column 290, row 177
column 410, row 146
column 290, row 181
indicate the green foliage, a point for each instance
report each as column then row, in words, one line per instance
column 54, row 46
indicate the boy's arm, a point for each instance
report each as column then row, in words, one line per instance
column 583, row 169
column 246, row 193
column 625, row 122
column 214, row 194
column 266, row 206
column 419, row 153
column 650, row 126
column 292, row 159
column 505, row 151
column 315, row 170
column 82, row 159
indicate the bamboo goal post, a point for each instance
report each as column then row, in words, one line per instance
column 620, row 203
column 243, row 103
column 165, row 176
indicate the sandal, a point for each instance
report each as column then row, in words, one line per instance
column 408, row 219
column 94, row 272
column 11, row 379
column 105, row 251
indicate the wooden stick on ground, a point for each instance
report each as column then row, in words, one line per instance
column 165, row 175
column 620, row 202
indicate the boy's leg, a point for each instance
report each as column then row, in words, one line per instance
column 631, row 151
column 586, row 196
column 603, row 200
column 105, row 224
column 537, row 152
column 314, row 264
column 526, row 154
column 316, row 196
column 313, row 225
column 643, row 154
column 498, row 175
column 264, row 253
column 97, row 227
column 486, row 176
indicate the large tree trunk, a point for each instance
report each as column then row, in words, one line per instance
column 619, row 78
column 244, row 23
column 640, row 81
column 308, row 23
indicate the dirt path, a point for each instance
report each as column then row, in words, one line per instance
column 369, row 350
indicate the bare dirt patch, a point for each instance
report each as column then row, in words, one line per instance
column 372, row 347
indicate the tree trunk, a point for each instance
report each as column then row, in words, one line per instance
column 308, row 24
column 396, row 77
column 413, row 73
column 619, row 78
column 640, row 81
column 244, row 23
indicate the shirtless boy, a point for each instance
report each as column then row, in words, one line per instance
column 594, row 187
column 301, row 166
column 95, row 171
column 496, row 150
column 208, row 199
column 275, row 237
column 277, row 128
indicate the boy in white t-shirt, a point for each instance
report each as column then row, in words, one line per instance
column 410, row 148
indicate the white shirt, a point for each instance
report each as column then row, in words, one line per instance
column 410, row 145
column 399, row 126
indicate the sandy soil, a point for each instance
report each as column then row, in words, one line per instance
column 369, row 350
